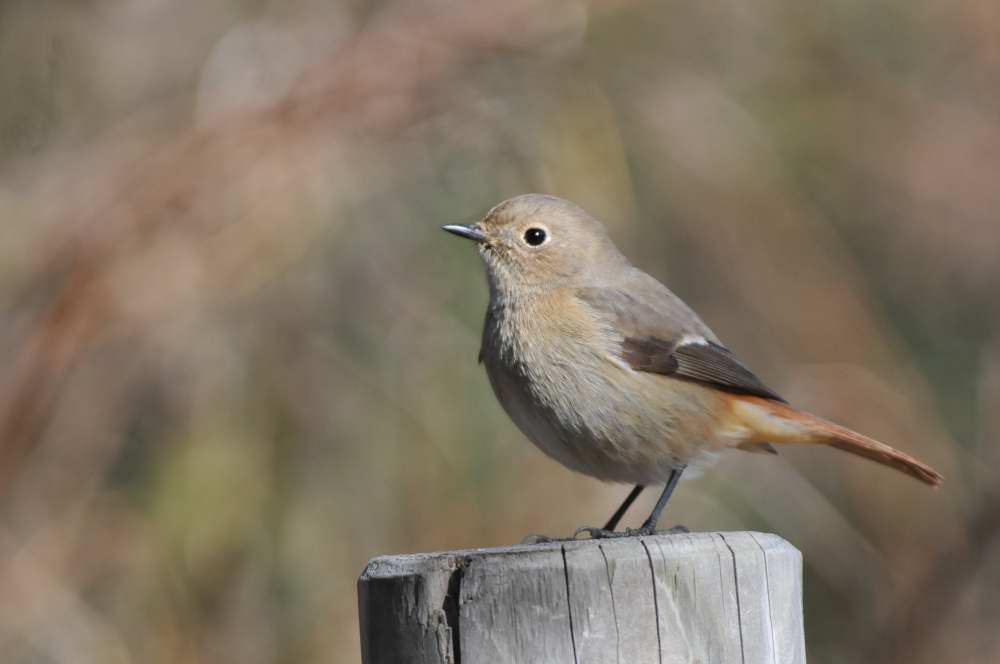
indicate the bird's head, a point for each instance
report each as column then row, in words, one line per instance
column 534, row 242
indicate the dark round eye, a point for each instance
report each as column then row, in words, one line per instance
column 534, row 236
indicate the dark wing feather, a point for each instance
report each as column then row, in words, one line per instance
column 704, row 362
column 655, row 324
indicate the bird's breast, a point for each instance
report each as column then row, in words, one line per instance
column 556, row 371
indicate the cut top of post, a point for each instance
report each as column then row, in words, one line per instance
column 692, row 597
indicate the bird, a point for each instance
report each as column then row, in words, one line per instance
column 611, row 374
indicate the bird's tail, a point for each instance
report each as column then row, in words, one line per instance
column 764, row 421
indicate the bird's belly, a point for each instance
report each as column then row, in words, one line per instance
column 607, row 421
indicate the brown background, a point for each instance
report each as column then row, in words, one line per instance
column 239, row 356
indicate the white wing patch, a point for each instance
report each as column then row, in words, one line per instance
column 692, row 340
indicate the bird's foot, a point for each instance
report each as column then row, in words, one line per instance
column 602, row 533
column 651, row 530
column 597, row 533
column 594, row 533
column 645, row 531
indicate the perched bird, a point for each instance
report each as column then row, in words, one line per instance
column 610, row 373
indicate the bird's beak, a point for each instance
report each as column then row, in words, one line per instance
column 470, row 232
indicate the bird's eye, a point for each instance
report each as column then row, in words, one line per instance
column 534, row 236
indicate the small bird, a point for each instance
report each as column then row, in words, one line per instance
column 611, row 374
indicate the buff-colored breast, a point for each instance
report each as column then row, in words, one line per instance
column 555, row 367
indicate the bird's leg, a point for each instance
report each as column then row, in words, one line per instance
column 620, row 512
column 649, row 526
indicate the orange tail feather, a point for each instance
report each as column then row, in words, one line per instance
column 774, row 422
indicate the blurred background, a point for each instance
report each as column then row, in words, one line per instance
column 239, row 356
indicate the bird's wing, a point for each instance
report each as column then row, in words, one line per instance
column 698, row 360
column 660, row 334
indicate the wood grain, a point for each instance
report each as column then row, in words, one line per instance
column 665, row 599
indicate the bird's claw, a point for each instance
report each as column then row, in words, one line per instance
column 645, row 531
column 601, row 533
column 597, row 533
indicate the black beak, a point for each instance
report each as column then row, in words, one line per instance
column 470, row 232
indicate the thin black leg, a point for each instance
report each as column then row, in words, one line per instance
column 620, row 512
column 649, row 527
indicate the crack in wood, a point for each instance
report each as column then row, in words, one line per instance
column 451, row 607
column 614, row 609
column 736, row 583
column 656, row 605
column 767, row 590
column 569, row 605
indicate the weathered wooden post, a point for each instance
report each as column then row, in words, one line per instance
column 701, row 598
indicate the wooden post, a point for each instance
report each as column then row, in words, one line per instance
column 671, row 598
